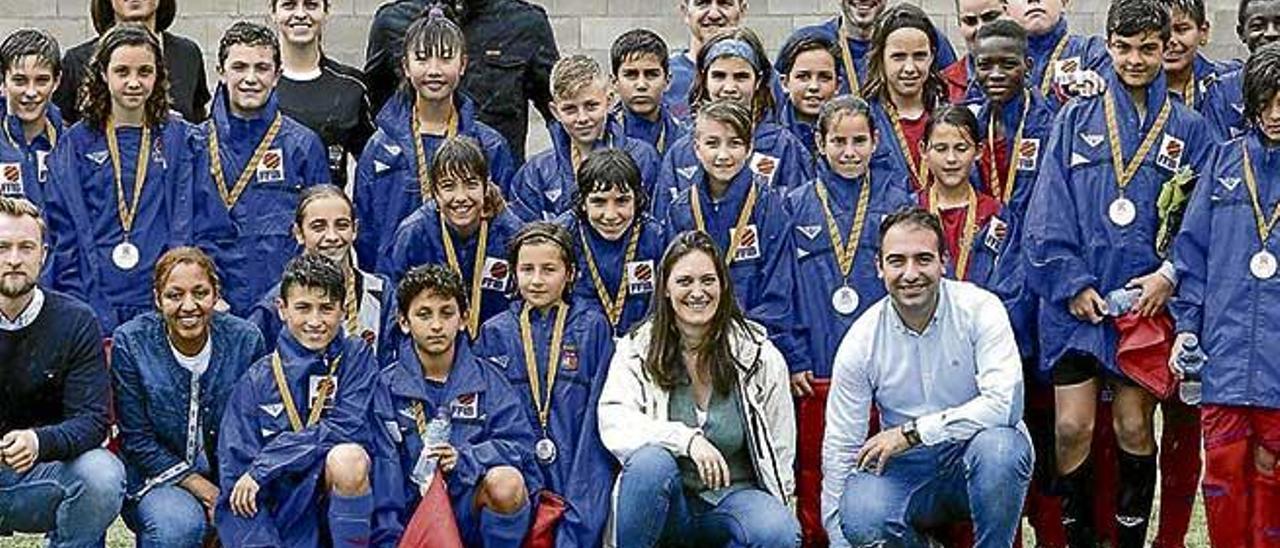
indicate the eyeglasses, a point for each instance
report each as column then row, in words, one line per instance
column 971, row 20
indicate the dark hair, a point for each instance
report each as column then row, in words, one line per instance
column 1261, row 80
column 902, row 16
column 839, row 106
column 803, row 43
column 184, row 255
column 544, row 232
column 608, row 169
column 1127, row 18
column 460, row 157
column 103, row 15
column 318, row 192
column 434, row 279
column 1004, row 28
column 313, row 271
column 729, row 113
column 956, row 116
column 912, row 216
column 95, row 94
column 663, row 361
column 24, row 42
column 636, row 43
column 245, row 33
column 762, row 98
column 1192, row 8
column 433, row 35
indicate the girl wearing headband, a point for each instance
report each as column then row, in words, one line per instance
column 555, row 352
column 394, row 176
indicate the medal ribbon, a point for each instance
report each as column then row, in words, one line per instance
column 420, row 151
column 352, row 304
column 917, row 168
column 242, row 183
column 128, row 212
column 661, row 145
column 612, row 306
column 749, row 206
column 846, row 55
column 970, row 227
column 1006, row 186
column 477, row 269
column 1051, row 68
column 1189, row 92
column 542, row 406
column 286, row 396
column 1265, row 226
column 1124, row 171
column 846, row 250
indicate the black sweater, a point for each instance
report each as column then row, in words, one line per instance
column 53, row 378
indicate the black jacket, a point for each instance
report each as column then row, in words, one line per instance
column 510, row 51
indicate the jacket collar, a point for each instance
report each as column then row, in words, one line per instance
column 395, row 118
column 13, row 126
column 404, row 376
column 237, row 129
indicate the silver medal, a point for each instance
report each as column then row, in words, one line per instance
column 125, row 255
column 845, row 300
column 1122, row 211
column 545, row 450
column 1263, row 265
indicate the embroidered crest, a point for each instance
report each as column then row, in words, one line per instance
column 1229, row 183
column 553, row 194
column 11, row 179
column 1092, row 139
column 687, row 172
column 748, row 243
column 996, row 231
column 640, row 277
column 99, row 157
column 1028, row 153
column 313, row 390
column 466, row 406
column 763, row 164
column 569, row 358
column 809, row 231
column 271, row 167
column 496, row 272
column 1170, row 156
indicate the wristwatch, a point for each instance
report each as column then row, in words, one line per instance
column 909, row 431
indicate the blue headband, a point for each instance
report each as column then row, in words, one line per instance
column 733, row 47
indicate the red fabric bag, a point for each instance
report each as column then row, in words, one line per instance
column 545, row 521
column 433, row 524
column 1143, row 351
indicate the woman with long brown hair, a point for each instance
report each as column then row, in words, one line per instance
column 122, row 179
column 697, row 408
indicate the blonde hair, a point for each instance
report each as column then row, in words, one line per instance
column 574, row 73
column 22, row 207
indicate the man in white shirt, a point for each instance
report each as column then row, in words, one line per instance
column 938, row 359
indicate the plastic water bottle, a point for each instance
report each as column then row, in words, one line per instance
column 437, row 433
column 1191, row 360
column 1121, row 301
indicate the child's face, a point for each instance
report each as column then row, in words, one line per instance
column 721, row 152
column 1261, row 24
column 732, row 78
column 1001, row 67
column 1269, row 118
column 950, row 153
column 848, row 145
column 131, row 77
column 461, row 199
column 134, row 10
column 811, row 81
column 250, row 74
column 311, row 315
column 433, row 322
column 610, row 212
column 907, row 61
column 541, row 274
column 1037, row 16
column 583, row 115
column 327, row 229
column 641, row 81
column 1137, row 59
column 435, row 76
column 1185, row 41
column 972, row 14
column 706, row 18
column 27, row 87
column 300, row 21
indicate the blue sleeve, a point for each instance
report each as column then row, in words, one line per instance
column 387, row 476
column 315, row 159
column 389, row 341
column 647, row 159
column 774, row 309
column 402, row 249
column 265, row 316
column 796, row 162
column 140, row 447
column 589, row 492
column 1054, row 246
column 526, row 193
column 510, row 438
column 238, row 442
column 1190, row 252
column 661, row 185
column 502, row 165
column 946, row 53
column 362, row 195
column 63, row 206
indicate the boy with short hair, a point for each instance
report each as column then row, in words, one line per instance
column 294, row 437
column 1059, row 59
column 258, row 161
column 961, row 77
column 31, row 67
column 544, row 187
column 1189, row 71
column 1091, row 230
column 642, row 74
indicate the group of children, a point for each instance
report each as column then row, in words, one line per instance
column 448, row 281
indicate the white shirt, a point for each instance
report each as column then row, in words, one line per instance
column 28, row 315
column 959, row 376
column 198, row 363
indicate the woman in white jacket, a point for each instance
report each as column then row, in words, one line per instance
column 697, row 407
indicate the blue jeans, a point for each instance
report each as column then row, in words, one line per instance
column 74, row 501
column 652, row 507
column 983, row 480
column 168, row 516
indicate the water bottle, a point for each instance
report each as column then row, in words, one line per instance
column 1191, row 360
column 1121, row 301
column 437, row 433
